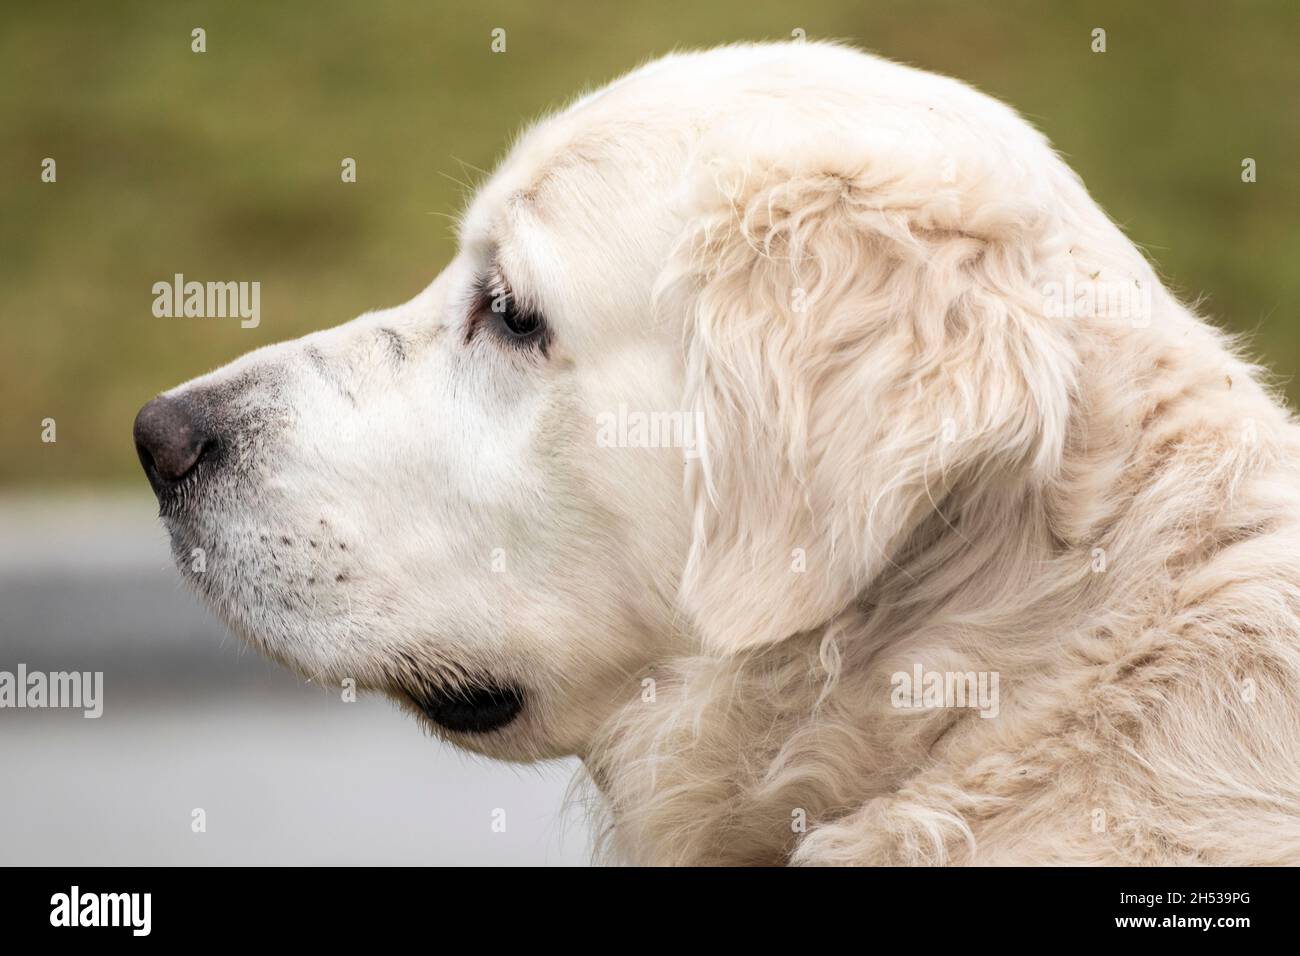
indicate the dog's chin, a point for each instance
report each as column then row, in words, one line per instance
column 465, row 705
column 475, row 709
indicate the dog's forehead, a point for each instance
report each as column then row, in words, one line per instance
column 574, row 211
column 630, row 136
column 630, row 131
column 579, row 147
column 603, row 181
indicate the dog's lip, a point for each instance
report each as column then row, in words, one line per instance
column 470, row 709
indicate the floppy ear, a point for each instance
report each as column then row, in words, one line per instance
column 861, row 343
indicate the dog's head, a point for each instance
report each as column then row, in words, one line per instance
column 717, row 338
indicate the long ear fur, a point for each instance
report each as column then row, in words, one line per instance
column 864, row 341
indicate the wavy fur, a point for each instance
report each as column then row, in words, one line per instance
column 952, row 421
column 955, row 463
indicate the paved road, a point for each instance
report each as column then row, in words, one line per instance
column 284, row 773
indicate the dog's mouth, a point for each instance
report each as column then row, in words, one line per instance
column 474, row 709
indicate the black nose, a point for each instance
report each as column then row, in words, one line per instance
column 171, row 436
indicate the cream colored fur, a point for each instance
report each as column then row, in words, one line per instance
column 850, row 272
column 1110, row 523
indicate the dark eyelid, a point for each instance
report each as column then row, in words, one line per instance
column 489, row 286
column 481, row 295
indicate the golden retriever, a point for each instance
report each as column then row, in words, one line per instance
column 794, row 440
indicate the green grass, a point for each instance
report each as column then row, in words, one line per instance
column 225, row 165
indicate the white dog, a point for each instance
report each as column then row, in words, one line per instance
column 794, row 440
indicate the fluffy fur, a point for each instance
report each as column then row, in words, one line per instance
column 927, row 440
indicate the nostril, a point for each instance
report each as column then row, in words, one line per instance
column 170, row 439
column 146, row 457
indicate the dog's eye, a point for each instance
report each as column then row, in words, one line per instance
column 506, row 318
column 513, row 321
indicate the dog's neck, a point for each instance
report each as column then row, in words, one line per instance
column 736, row 757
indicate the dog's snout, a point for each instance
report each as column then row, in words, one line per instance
column 171, row 436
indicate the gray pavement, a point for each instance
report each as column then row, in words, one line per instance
column 284, row 773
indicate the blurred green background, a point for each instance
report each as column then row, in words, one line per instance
column 225, row 165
